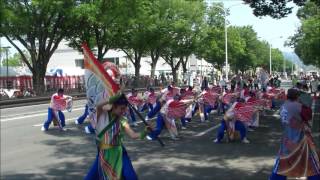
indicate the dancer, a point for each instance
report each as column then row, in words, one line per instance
column 297, row 156
column 58, row 103
column 231, row 124
column 113, row 161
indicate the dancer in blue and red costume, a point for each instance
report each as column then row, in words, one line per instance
column 58, row 103
column 231, row 124
column 136, row 102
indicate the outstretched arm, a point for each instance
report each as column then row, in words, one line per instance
column 133, row 134
column 130, row 132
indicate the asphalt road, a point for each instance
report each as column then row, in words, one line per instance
column 28, row 153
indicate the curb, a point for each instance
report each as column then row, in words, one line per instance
column 10, row 103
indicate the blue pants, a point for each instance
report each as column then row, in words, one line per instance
column 195, row 107
column 128, row 172
column 222, row 107
column 207, row 110
column 91, row 129
column 184, row 121
column 159, row 127
column 144, row 107
column 93, row 172
column 132, row 116
column 154, row 110
column 84, row 115
column 239, row 126
column 51, row 115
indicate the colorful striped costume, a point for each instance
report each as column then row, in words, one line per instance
column 297, row 156
column 113, row 161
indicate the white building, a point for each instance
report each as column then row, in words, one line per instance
column 71, row 63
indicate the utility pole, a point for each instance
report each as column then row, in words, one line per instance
column 7, row 63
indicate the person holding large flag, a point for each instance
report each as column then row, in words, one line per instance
column 113, row 162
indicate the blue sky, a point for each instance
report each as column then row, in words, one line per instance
column 267, row 28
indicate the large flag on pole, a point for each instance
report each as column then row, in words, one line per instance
column 92, row 64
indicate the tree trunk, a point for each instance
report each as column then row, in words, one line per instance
column 137, row 66
column 184, row 64
column 153, row 69
column 136, row 73
column 154, row 59
column 38, row 81
column 174, row 75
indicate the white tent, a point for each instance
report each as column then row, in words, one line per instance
column 10, row 72
column 14, row 71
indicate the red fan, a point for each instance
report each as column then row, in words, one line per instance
column 59, row 104
column 255, row 102
column 176, row 109
column 244, row 112
column 210, row 98
column 216, row 89
column 135, row 100
column 227, row 98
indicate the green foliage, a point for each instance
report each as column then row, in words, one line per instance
column 277, row 60
column 307, row 40
column 39, row 25
column 183, row 21
column 211, row 45
column 274, row 8
column 15, row 60
column 99, row 24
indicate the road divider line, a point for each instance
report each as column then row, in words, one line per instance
column 67, row 120
column 33, row 115
column 206, row 131
column 74, row 118
column 33, row 112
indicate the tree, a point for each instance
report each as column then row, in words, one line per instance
column 39, row 26
column 183, row 24
column 157, row 32
column 262, row 52
column 14, row 60
column 274, row 8
column 277, row 60
column 307, row 40
column 97, row 24
column 211, row 44
column 135, row 38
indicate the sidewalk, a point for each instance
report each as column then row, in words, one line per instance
column 9, row 103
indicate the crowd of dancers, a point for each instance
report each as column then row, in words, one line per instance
column 173, row 107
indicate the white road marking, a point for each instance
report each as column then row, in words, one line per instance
column 48, row 102
column 73, row 119
column 208, row 130
column 32, row 115
column 69, row 119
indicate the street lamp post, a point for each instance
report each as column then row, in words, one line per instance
column 270, row 61
column 7, row 63
column 226, row 35
column 226, row 39
column 270, row 54
column 284, row 69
